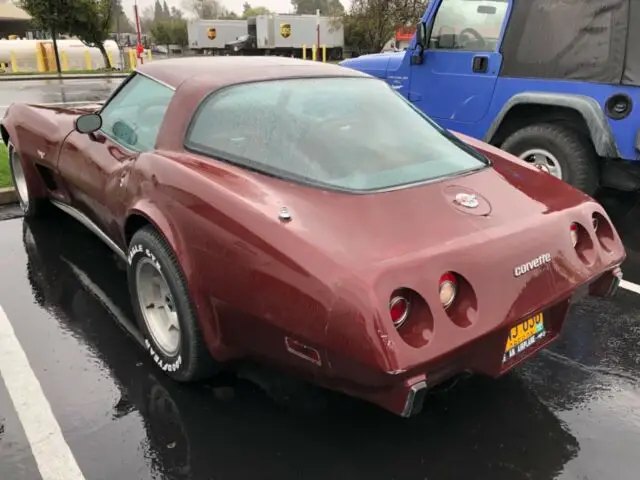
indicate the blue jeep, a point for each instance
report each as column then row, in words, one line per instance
column 552, row 82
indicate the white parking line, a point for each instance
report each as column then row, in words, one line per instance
column 630, row 286
column 52, row 454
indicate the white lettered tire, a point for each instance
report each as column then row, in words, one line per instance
column 164, row 311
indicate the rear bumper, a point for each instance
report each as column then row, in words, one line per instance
column 405, row 397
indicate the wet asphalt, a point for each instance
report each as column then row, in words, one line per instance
column 572, row 412
column 55, row 91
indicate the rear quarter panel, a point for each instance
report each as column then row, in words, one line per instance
column 248, row 274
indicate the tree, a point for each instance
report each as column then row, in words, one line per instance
column 120, row 21
column 90, row 21
column 48, row 15
column 207, row 9
column 249, row 11
column 370, row 24
column 166, row 14
column 326, row 7
column 170, row 32
column 158, row 13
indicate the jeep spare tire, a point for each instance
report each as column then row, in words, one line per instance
column 559, row 150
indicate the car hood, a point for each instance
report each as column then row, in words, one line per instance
column 376, row 64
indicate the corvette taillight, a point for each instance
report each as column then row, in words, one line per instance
column 573, row 232
column 448, row 289
column 399, row 308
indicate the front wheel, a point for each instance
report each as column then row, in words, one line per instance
column 31, row 206
column 164, row 310
column 560, row 151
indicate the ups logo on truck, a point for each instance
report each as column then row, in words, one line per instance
column 211, row 33
column 285, row 30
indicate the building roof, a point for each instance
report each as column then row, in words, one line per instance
column 8, row 11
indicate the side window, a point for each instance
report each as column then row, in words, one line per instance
column 468, row 25
column 133, row 117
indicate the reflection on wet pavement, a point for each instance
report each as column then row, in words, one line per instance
column 570, row 413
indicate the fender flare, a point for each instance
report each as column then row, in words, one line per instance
column 160, row 222
column 588, row 108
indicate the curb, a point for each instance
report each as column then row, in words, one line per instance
column 8, row 195
column 18, row 78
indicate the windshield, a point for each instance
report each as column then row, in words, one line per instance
column 353, row 134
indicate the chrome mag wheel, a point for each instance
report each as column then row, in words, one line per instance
column 157, row 307
column 543, row 160
column 19, row 180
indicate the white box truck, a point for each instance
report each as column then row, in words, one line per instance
column 211, row 36
column 281, row 34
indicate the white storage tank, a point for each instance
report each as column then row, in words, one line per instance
column 73, row 55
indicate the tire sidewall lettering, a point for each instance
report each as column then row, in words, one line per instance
column 166, row 364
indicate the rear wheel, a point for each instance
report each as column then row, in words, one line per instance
column 164, row 310
column 31, row 206
column 560, row 151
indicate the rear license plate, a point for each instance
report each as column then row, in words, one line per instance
column 523, row 336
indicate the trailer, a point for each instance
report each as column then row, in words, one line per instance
column 282, row 34
column 211, row 36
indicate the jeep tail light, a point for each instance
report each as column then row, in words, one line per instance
column 573, row 232
column 399, row 308
column 448, row 289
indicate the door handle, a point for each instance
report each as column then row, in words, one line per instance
column 480, row 64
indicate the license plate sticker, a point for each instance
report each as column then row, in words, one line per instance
column 523, row 336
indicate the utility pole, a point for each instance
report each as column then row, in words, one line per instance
column 139, row 48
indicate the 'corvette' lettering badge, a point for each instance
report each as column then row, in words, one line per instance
column 532, row 265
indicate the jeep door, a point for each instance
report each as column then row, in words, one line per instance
column 455, row 83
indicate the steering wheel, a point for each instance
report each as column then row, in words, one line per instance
column 474, row 33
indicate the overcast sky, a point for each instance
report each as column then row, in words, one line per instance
column 281, row 6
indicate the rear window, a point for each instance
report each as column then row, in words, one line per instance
column 353, row 134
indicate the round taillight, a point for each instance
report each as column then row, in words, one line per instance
column 448, row 289
column 399, row 311
column 573, row 232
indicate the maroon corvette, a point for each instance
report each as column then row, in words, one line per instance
column 306, row 216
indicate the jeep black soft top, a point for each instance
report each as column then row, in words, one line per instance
column 589, row 40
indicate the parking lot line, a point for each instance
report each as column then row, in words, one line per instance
column 630, row 286
column 52, row 454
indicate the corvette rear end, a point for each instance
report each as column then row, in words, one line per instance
column 478, row 285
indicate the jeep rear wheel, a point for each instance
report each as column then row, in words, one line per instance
column 559, row 150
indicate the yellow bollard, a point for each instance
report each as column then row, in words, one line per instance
column 149, row 55
column 132, row 59
column 87, row 60
column 324, row 53
column 39, row 59
column 14, row 61
column 110, row 57
column 304, row 52
column 314, row 53
column 64, row 61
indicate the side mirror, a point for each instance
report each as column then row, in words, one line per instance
column 88, row 123
column 422, row 37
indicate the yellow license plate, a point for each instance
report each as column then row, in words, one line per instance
column 523, row 336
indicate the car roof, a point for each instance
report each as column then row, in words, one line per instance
column 230, row 70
